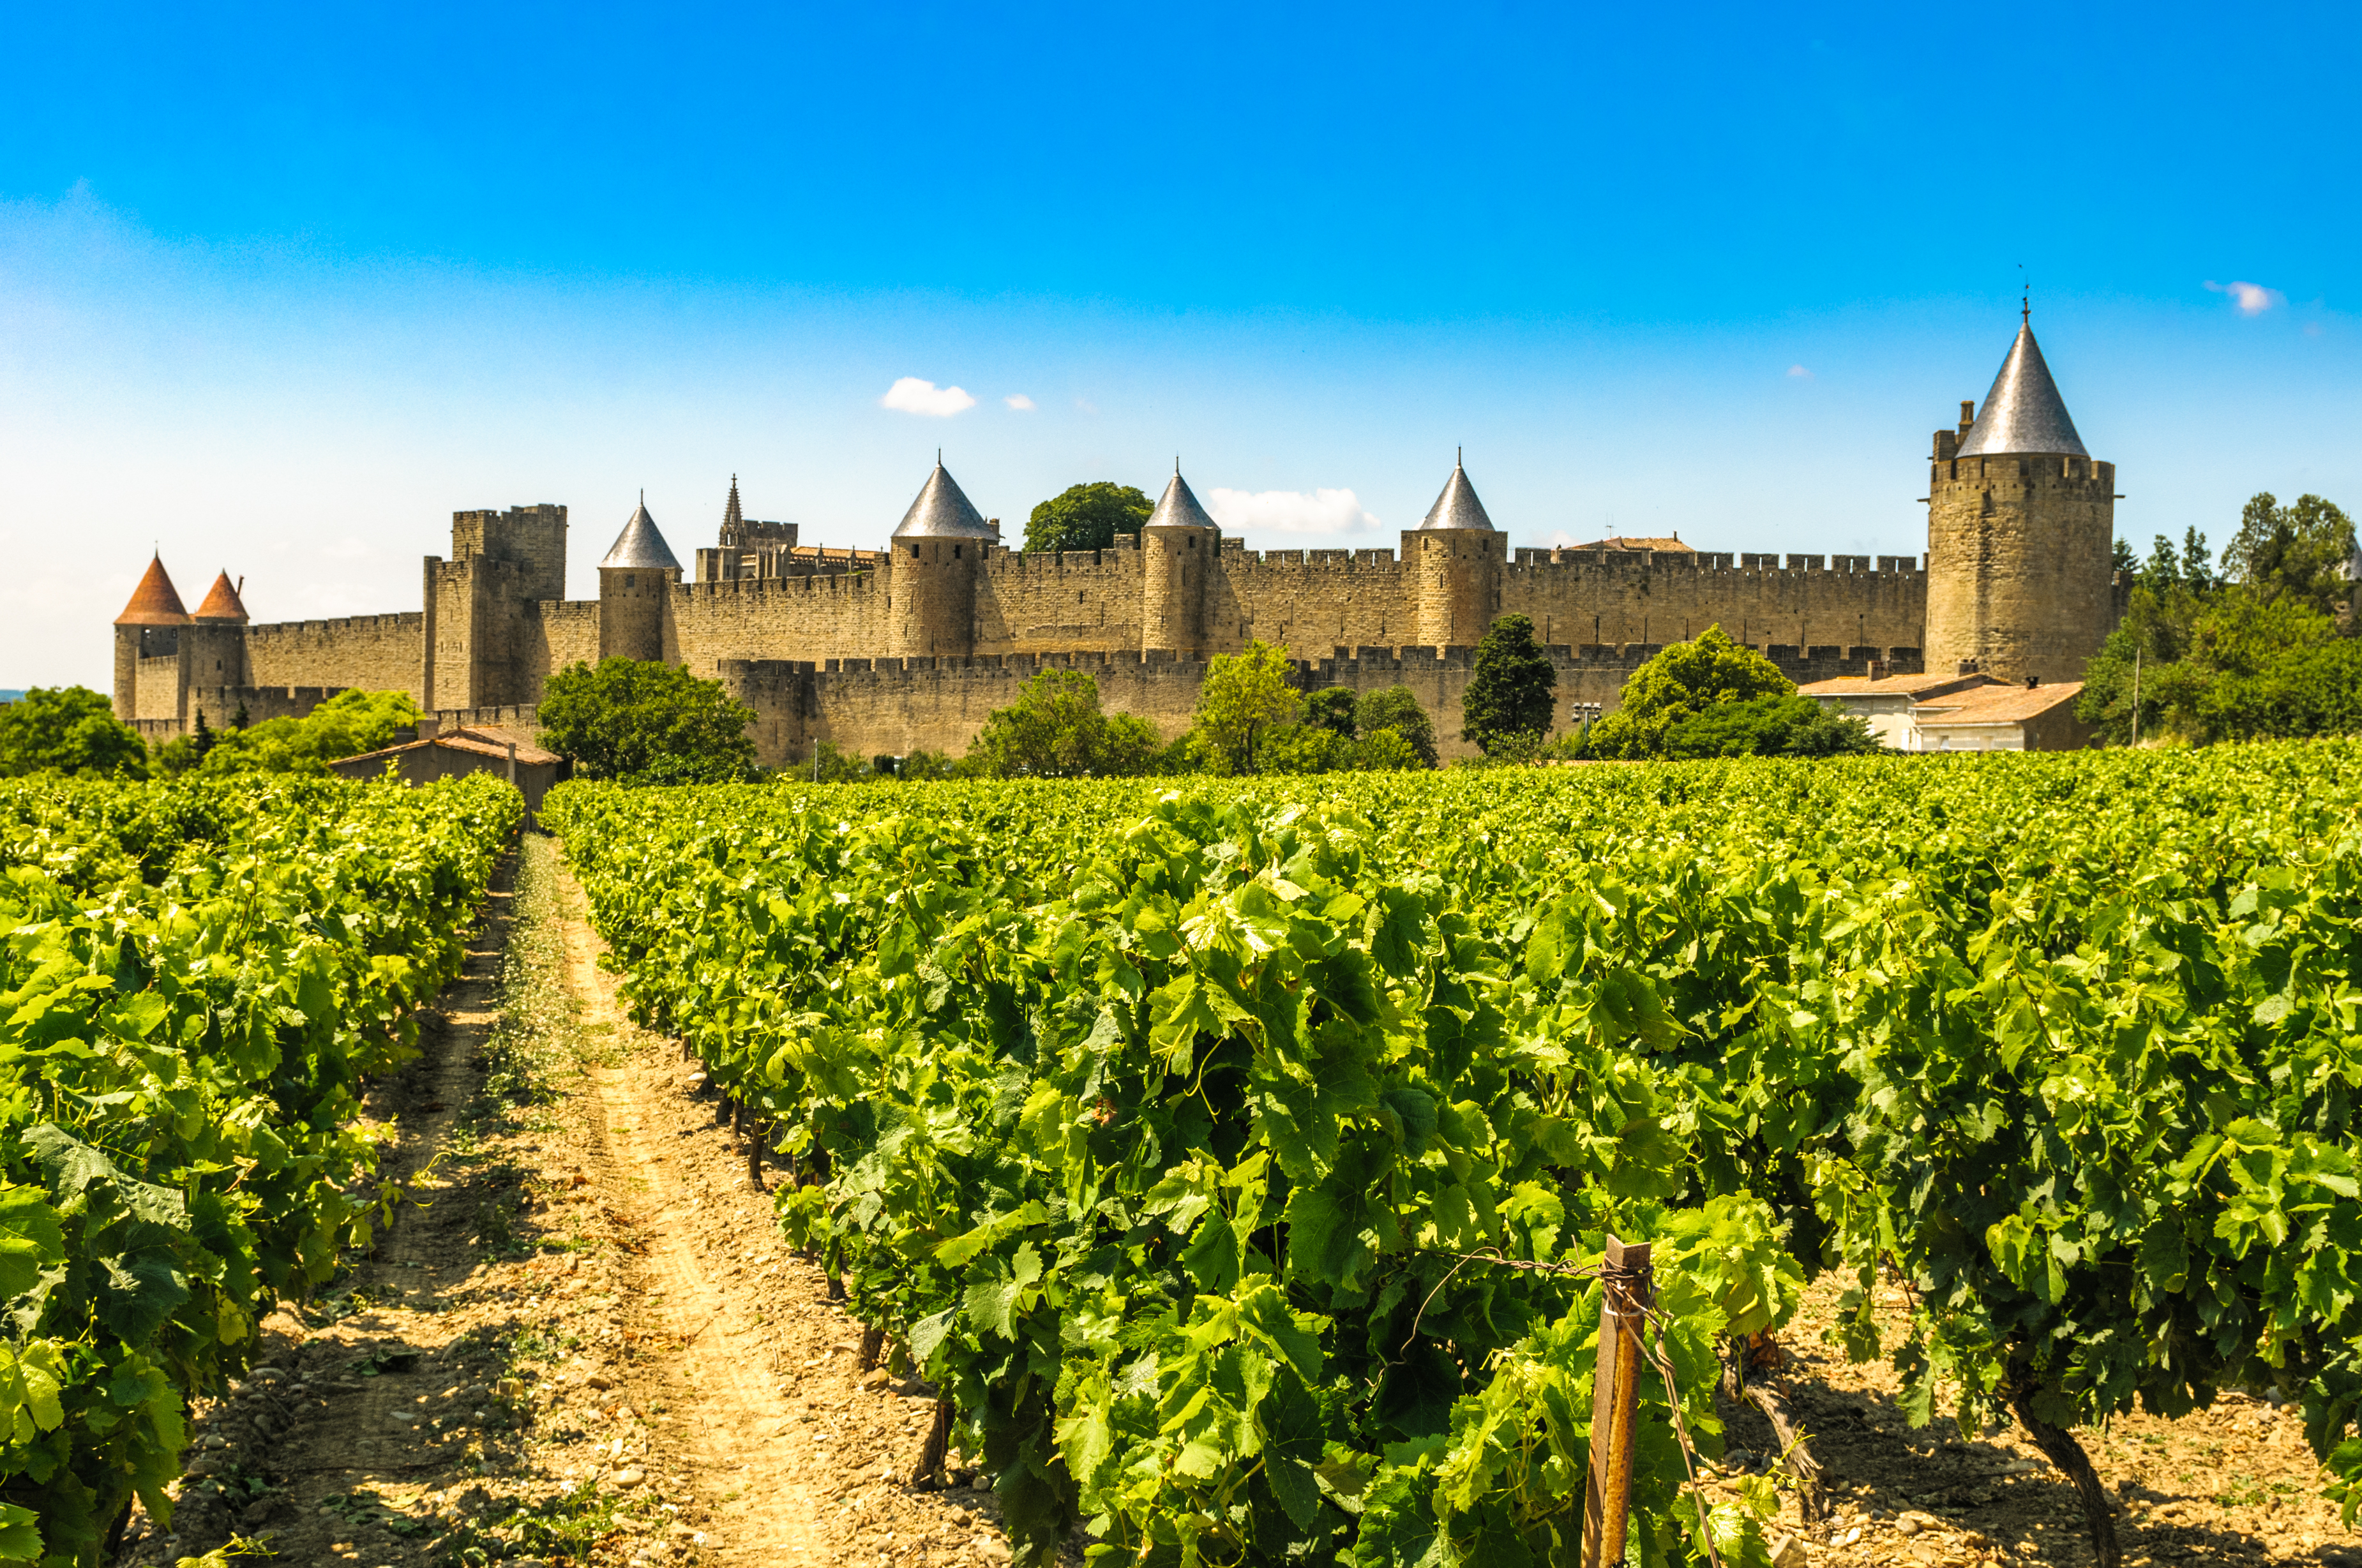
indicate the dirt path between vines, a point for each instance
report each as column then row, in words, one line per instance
column 582, row 1341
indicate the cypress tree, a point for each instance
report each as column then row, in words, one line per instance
column 1509, row 696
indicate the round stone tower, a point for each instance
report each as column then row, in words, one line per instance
column 636, row 584
column 1179, row 548
column 214, row 646
column 2021, row 524
column 937, row 551
column 1454, row 557
column 150, row 627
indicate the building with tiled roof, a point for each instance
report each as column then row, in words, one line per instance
column 1960, row 713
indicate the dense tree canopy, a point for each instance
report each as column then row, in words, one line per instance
column 1680, row 683
column 1510, row 695
column 646, row 722
column 1395, row 710
column 1055, row 729
column 2264, row 649
column 1791, row 726
column 1086, row 516
column 1245, row 696
column 69, row 729
column 347, row 725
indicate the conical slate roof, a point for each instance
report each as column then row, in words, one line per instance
column 2024, row 412
column 222, row 602
column 1179, row 508
column 640, row 545
column 155, row 602
column 1458, row 507
column 943, row 511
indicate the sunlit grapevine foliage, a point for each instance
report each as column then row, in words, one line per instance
column 195, row 979
column 1164, row 1128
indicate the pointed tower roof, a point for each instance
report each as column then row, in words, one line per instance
column 222, row 602
column 155, row 602
column 943, row 511
column 1179, row 508
column 1458, row 507
column 640, row 545
column 730, row 515
column 2024, row 412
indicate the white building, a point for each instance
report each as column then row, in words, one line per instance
column 1959, row 713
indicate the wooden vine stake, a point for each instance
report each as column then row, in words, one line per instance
column 1631, row 1292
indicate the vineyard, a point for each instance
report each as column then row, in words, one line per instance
column 197, row 980
column 1239, row 1161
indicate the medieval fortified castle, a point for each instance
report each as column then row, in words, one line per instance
column 885, row 653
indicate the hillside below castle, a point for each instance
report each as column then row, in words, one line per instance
column 888, row 652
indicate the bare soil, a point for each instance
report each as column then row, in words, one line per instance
column 2233, row 1484
column 582, row 1340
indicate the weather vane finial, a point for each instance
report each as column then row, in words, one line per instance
column 2025, row 297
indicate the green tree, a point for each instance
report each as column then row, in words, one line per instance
column 1396, row 707
column 2300, row 550
column 69, row 729
column 1086, row 516
column 1245, row 696
column 1383, row 750
column 1509, row 698
column 1332, row 707
column 2256, row 650
column 1791, row 726
column 1055, row 729
column 1682, row 682
column 644, row 721
column 347, row 725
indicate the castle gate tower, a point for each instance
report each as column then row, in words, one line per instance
column 1179, row 547
column 148, row 628
column 937, row 551
column 1455, row 556
column 2021, row 524
column 636, row 584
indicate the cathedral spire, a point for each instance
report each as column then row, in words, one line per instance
column 731, row 516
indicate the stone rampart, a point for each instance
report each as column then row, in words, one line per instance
column 838, row 615
column 375, row 652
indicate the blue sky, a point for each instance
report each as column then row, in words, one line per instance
column 280, row 288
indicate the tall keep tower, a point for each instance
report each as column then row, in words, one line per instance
column 1455, row 556
column 2021, row 523
column 937, row 551
column 1179, row 547
column 635, row 583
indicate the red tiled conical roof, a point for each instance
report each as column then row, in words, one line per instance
column 222, row 602
column 155, row 602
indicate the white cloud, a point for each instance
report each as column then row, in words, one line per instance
column 912, row 396
column 1019, row 401
column 2252, row 298
column 1800, row 373
column 1289, row 511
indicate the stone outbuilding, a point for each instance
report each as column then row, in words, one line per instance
column 440, row 753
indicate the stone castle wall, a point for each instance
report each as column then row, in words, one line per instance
column 376, row 652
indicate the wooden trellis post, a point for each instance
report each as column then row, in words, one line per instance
column 1630, row 1291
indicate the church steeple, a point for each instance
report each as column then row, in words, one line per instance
column 731, row 516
